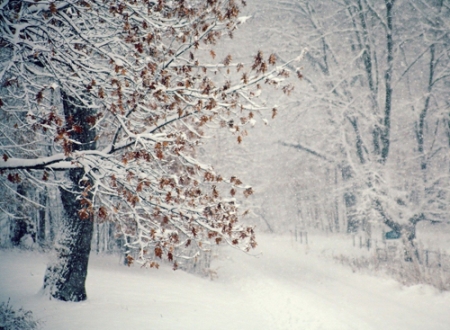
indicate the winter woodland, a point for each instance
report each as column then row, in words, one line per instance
column 161, row 131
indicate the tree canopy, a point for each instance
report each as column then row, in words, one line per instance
column 108, row 101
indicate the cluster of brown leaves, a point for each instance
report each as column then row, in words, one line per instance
column 14, row 177
column 159, row 87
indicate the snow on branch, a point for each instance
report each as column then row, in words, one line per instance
column 122, row 93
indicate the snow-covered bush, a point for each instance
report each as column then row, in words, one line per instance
column 12, row 319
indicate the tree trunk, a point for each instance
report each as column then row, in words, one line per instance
column 20, row 227
column 350, row 201
column 386, row 132
column 65, row 279
column 52, row 223
column 41, row 237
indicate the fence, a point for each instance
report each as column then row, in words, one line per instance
column 387, row 250
column 416, row 265
column 301, row 236
column 408, row 265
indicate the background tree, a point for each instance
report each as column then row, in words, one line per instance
column 389, row 61
column 112, row 98
column 362, row 119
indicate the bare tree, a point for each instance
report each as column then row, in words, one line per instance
column 378, row 71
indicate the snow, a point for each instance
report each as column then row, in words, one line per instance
column 243, row 19
column 286, row 285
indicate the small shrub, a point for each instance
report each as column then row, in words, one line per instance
column 11, row 319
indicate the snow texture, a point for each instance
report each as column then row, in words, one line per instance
column 286, row 286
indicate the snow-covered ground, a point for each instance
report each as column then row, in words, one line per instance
column 286, row 286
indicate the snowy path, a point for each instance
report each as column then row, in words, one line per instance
column 298, row 291
column 283, row 288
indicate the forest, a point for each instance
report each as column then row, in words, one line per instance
column 172, row 134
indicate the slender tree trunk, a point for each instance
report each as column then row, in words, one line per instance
column 423, row 114
column 41, row 237
column 20, row 226
column 386, row 132
column 50, row 210
column 65, row 279
column 350, row 201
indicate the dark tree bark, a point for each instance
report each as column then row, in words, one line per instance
column 65, row 279
column 386, row 132
column 350, row 201
column 41, row 237
column 21, row 225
